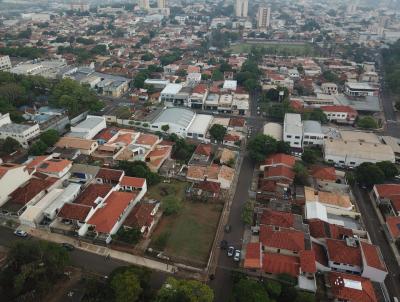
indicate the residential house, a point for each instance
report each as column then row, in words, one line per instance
column 12, row 176
column 142, row 217
column 109, row 176
column 85, row 146
column 340, row 114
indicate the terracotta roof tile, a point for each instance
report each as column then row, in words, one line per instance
column 388, row 190
column 324, row 173
column 282, row 238
column 280, row 159
column 372, row 256
column 279, row 172
column 203, row 149
column 208, row 186
column 339, row 251
column 276, row 218
column 135, row 182
column 140, row 215
column 307, row 261
column 253, row 258
column 147, row 139
column 90, row 194
column 74, row 211
column 281, row 264
column 393, row 223
column 340, row 290
column 110, row 174
column 107, row 216
column 30, row 189
column 237, row 122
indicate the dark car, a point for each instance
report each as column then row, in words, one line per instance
column 223, row 245
column 68, row 246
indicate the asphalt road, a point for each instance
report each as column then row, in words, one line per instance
column 89, row 262
column 375, row 231
column 222, row 284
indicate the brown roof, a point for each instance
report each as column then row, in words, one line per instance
column 32, row 188
column 203, row 149
column 339, row 251
column 110, row 174
column 89, row 195
column 75, row 143
column 74, row 211
column 140, row 215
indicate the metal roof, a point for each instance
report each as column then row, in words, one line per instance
column 180, row 116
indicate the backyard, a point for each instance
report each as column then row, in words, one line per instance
column 186, row 236
column 283, row 49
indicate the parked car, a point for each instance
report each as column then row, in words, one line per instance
column 68, row 246
column 20, row 233
column 231, row 251
column 223, row 245
column 236, row 257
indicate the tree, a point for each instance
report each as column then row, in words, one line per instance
column 165, row 128
column 260, row 146
column 308, row 156
column 171, row 205
column 217, row 132
column 175, row 290
column 139, row 169
column 131, row 235
column 274, row 288
column 217, row 75
column 301, row 174
column 305, row 297
column 9, row 145
column 31, row 270
column 247, row 212
column 247, row 290
column 388, row 168
column 315, row 115
column 50, row 137
column 147, row 57
column 369, row 174
column 37, row 148
column 126, row 286
column 330, row 76
column 367, row 122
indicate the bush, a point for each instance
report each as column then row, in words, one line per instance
column 161, row 241
column 288, row 279
column 367, row 122
column 274, row 288
column 130, row 236
column 171, row 205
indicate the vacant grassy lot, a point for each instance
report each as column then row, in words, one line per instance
column 188, row 235
column 174, row 188
column 283, row 49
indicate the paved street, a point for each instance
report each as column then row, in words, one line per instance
column 222, row 283
column 88, row 261
column 375, row 231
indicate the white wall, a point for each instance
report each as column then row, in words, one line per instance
column 13, row 179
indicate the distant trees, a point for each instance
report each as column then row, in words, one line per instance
column 181, row 150
column 23, row 52
column 47, row 139
column 369, row 174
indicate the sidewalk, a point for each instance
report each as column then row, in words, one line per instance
column 101, row 250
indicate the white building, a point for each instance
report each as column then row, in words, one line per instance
column 293, row 131
column 89, row 127
column 312, row 133
column 178, row 120
column 5, row 63
column 264, row 17
column 329, row 88
column 170, row 92
column 67, row 195
column 199, row 127
column 242, row 8
column 359, row 89
column 157, row 83
column 20, row 132
column 5, row 119
column 12, row 177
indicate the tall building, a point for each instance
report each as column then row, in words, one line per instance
column 264, row 17
column 144, row 4
column 161, row 3
column 242, row 7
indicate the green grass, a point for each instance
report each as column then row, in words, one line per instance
column 283, row 49
column 187, row 236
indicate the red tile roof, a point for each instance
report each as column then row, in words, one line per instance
column 307, row 261
column 339, row 108
column 110, row 174
column 279, row 172
column 393, row 223
column 135, row 182
column 203, row 149
column 106, row 134
column 388, row 190
column 276, row 218
column 53, row 165
column 147, row 139
column 371, row 256
column 4, row 168
column 341, row 291
column 339, row 251
column 90, row 194
column 236, row 122
column 324, row 173
column 281, row 264
column 29, row 190
column 253, row 256
column 74, row 211
column 209, row 186
column 322, row 229
column 200, row 89
column 268, row 185
column 280, row 159
column 105, row 218
column 282, row 238
column 140, row 216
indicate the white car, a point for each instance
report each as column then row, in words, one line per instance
column 231, row 251
column 236, row 257
column 20, row 233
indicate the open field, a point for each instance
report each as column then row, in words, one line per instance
column 276, row 48
column 187, row 236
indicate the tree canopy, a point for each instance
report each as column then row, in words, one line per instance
column 260, row 146
column 369, row 174
column 217, row 132
column 367, row 122
column 184, row 290
column 126, row 286
column 139, row 169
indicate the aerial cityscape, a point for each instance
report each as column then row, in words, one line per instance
column 200, row 151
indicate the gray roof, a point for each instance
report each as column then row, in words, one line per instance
column 312, row 127
column 367, row 103
column 87, row 169
column 14, row 128
column 90, row 122
column 180, row 116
